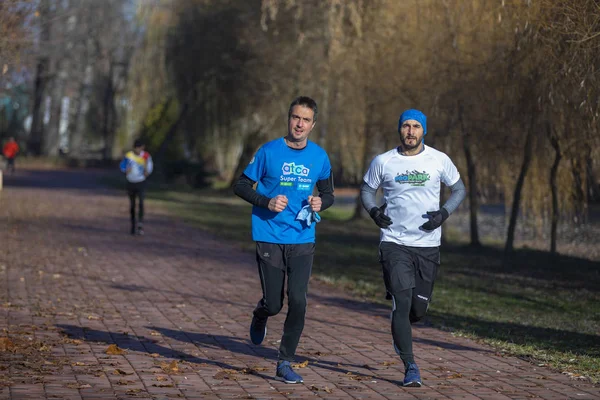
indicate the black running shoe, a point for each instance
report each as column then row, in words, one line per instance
column 258, row 330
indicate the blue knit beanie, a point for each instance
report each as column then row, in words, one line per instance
column 416, row 115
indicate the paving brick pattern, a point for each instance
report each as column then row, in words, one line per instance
column 90, row 312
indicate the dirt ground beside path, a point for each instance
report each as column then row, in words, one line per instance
column 89, row 311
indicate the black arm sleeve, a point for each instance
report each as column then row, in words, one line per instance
column 243, row 188
column 325, row 188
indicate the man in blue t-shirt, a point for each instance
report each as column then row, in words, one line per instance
column 284, row 214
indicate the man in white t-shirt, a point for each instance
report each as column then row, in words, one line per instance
column 410, row 219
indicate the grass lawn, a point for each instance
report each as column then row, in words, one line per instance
column 541, row 307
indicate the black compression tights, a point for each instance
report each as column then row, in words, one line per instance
column 401, row 329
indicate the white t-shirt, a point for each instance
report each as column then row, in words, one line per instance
column 411, row 187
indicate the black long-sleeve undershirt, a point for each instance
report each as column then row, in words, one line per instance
column 244, row 189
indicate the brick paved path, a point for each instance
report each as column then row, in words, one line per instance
column 177, row 304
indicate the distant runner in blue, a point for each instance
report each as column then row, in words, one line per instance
column 137, row 166
column 284, row 214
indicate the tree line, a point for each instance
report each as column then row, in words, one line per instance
column 510, row 87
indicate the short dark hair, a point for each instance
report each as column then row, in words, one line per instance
column 306, row 102
column 138, row 143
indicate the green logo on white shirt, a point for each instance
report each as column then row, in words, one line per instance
column 413, row 178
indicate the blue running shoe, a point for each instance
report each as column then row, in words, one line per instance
column 258, row 330
column 412, row 376
column 286, row 374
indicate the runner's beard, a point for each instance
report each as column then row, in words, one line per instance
column 406, row 146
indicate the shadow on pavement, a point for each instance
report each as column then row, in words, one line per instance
column 241, row 346
column 141, row 344
column 200, row 340
column 85, row 180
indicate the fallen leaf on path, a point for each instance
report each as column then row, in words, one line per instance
column 44, row 347
column 170, row 367
column 226, row 374
column 388, row 363
column 114, row 350
column 6, row 344
column 78, row 385
column 121, row 372
column 317, row 389
column 301, row 365
column 252, row 370
column 574, row 375
column 355, row 377
column 153, row 333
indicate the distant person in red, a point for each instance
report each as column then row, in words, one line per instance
column 10, row 151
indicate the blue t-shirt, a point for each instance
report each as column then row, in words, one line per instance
column 279, row 169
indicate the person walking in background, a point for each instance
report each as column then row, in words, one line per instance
column 10, row 151
column 410, row 220
column 137, row 166
column 284, row 215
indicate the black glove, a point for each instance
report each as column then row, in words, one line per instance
column 382, row 220
column 436, row 219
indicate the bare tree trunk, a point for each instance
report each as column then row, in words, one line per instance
column 171, row 132
column 359, row 210
column 251, row 143
column 108, row 115
column 579, row 167
column 79, row 107
column 371, row 149
column 554, row 189
column 77, row 131
column 527, row 156
column 592, row 188
column 472, row 175
column 41, row 80
column 37, row 121
column 51, row 138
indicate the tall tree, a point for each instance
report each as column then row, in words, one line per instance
column 41, row 79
